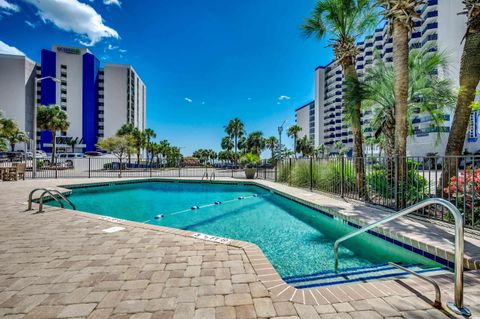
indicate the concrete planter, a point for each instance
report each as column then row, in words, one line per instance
column 250, row 173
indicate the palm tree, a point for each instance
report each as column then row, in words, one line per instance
column 139, row 142
column 271, row 143
column 127, row 130
column 293, row 133
column 305, row 146
column 149, row 135
column 401, row 16
column 255, row 142
column 235, row 129
column 320, row 150
column 346, row 21
column 427, row 93
column 227, row 143
column 52, row 118
column 9, row 130
column 469, row 79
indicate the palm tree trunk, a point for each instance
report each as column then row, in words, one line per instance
column 400, row 65
column 120, row 171
column 54, row 146
column 358, row 156
column 12, row 146
column 295, row 146
column 236, row 148
column 469, row 80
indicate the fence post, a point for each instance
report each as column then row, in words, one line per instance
column 150, row 169
column 342, row 177
column 311, row 174
column 276, row 164
column 179, row 170
column 89, row 170
column 290, row 171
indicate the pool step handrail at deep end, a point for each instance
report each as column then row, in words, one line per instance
column 457, row 306
column 205, row 176
column 52, row 192
column 212, row 177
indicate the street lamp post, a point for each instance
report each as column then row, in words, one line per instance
column 34, row 148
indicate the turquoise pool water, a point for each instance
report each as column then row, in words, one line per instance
column 296, row 239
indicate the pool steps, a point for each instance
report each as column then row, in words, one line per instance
column 359, row 274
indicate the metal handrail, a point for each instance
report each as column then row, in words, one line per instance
column 438, row 295
column 52, row 193
column 212, row 176
column 30, row 196
column 205, row 175
column 40, row 208
column 457, row 306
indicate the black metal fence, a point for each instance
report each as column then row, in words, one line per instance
column 395, row 182
column 95, row 167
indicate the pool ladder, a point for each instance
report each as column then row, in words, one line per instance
column 207, row 178
column 53, row 193
column 456, row 306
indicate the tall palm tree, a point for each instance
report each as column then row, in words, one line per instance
column 293, row 133
column 401, row 16
column 271, row 143
column 127, row 130
column 149, row 135
column 139, row 142
column 52, row 118
column 227, row 143
column 469, row 78
column 346, row 21
column 235, row 129
column 255, row 142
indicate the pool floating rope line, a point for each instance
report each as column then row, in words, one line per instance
column 196, row 207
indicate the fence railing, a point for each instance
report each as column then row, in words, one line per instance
column 95, row 167
column 395, row 182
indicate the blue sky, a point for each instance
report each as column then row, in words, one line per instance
column 203, row 61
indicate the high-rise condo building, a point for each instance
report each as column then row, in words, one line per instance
column 98, row 100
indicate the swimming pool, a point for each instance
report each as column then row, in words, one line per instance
column 297, row 239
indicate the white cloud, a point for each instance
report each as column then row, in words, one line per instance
column 8, row 8
column 112, row 2
column 7, row 49
column 189, row 100
column 30, row 24
column 122, row 50
column 283, row 97
column 72, row 15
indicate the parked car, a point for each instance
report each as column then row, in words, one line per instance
column 40, row 155
column 66, row 158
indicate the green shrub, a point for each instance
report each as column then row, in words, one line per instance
column 412, row 191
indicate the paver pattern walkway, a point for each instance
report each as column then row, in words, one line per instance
column 61, row 264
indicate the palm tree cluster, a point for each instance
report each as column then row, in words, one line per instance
column 136, row 141
column 10, row 134
column 205, row 155
column 237, row 143
column 393, row 92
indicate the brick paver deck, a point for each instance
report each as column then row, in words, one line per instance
column 61, row 264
